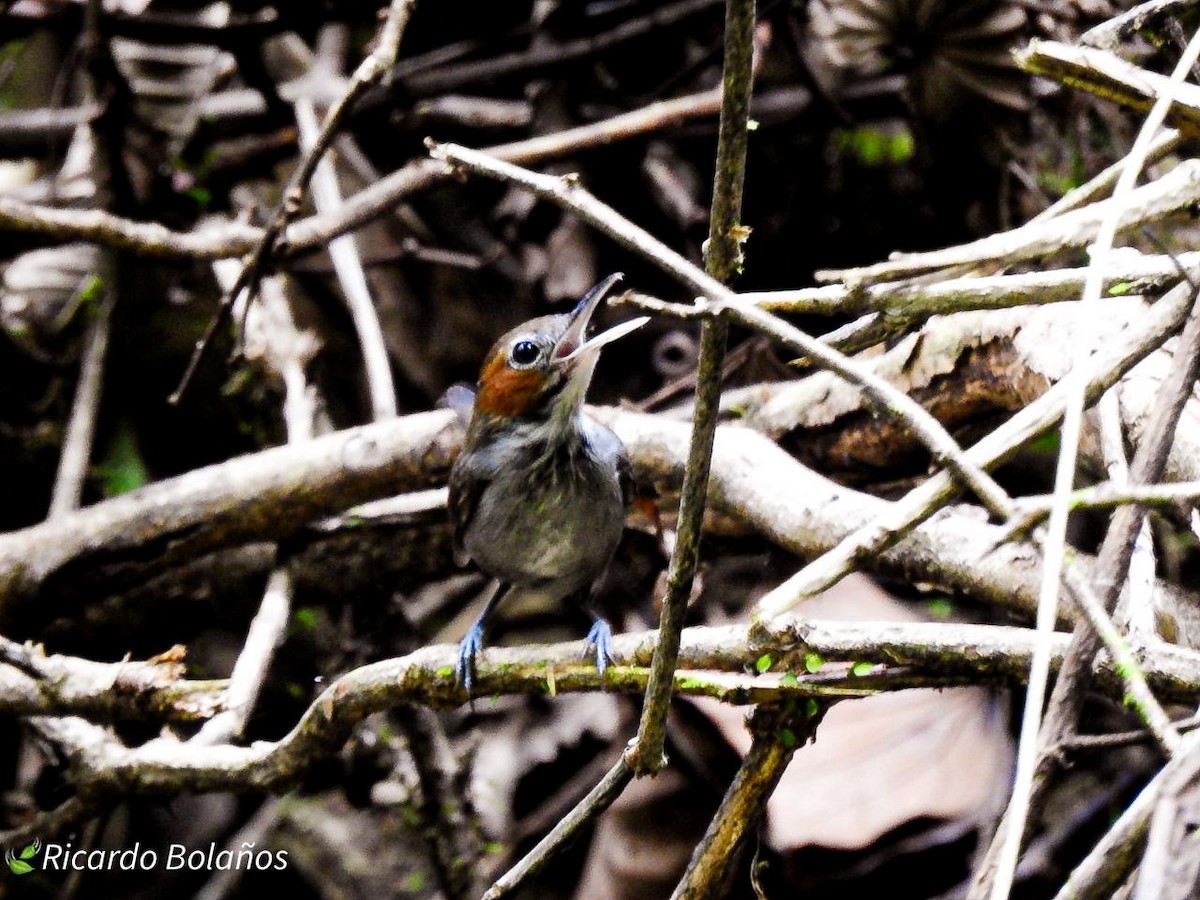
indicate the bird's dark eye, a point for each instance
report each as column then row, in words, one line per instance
column 524, row 353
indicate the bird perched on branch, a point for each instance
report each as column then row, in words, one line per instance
column 537, row 495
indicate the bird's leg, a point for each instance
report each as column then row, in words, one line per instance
column 472, row 642
column 599, row 639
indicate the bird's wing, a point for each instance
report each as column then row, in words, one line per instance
column 460, row 398
column 625, row 477
column 608, row 447
column 467, row 484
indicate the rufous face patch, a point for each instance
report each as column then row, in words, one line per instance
column 505, row 391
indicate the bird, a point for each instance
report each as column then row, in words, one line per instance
column 537, row 494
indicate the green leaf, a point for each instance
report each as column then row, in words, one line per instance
column 1120, row 288
column 20, row 867
column 787, row 737
column 31, row 851
column 859, row 669
column 413, row 882
column 305, row 618
column 901, row 147
column 92, row 290
column 876, row 146
column 789, row 679
column 811, row 707
column 940, row 607
column 445, row 671
column 813, row 663
column 202, row 196
column 121, row 469
column 1046, row 443
column 763, row 664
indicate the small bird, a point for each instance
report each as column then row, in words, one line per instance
column 537, row 495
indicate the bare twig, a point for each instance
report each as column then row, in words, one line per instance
column 722, row 262
column 1013, row 827
column 32, row 683
column 1107, row 75
column 374, row 67
column 906, row 302
column 921, row 502
column 449, row 821
column 450, row 77
column 1109, row 33
column 778, row 733
column 1171, row 193
column 77, row 441
column 250, row 670
column 1108, row 495
column 598, row 799
column 347, row 263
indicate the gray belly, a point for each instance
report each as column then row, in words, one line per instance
column 559, row 534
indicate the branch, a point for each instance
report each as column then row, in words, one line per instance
column 1173, row 192
column 907, row 302
column 778, row 733
column 376, row 64
column 272, row 493
column 267, row 495
column 32, row 683
column 1109, row 363
column 1068, row 695
column 722, row 262
column 1108, row 76
column 77, row 441
column 712, row 663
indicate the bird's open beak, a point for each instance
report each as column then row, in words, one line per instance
column 575, row 343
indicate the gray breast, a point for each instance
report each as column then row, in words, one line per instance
column 554, row 519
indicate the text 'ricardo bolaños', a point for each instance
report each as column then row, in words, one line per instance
column 64, row 858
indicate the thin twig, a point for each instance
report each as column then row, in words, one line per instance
column 1171, row 193
column 447, row 78
column 1108, row 495
column 1109, row 33
column 270, row 330
column 598, row 799
column 888, row 399
column 250, row 670
column 931, row 495
column 778, row 733
column 906, row 302
column 347, row 264
column 77, row 441
column 723, row 260
column 235, row 239
column 374, row 67
column 449, row 822
column 1014, row 824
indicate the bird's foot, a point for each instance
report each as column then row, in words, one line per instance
column 468, row 648
column 599, row 639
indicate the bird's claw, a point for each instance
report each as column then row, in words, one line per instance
column 469, row 646
column 599, row 639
